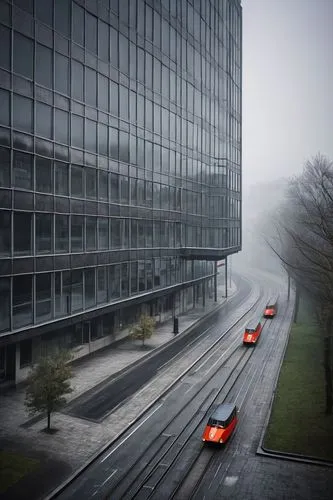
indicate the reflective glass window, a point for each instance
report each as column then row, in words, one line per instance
column 123, row 54
column 44, row 170
column 102, row 285
column 77, row 290
column 4, row 167
column 89, row 287
column 91, row 136
column 22, row 170
column 43, row 233
column 123, row 147
column 77, row 131
column 91, row 87
column 157, row 29
column 157, row 75
column 91, row 182
column 61, row 233
column 91, row 233
column 114, row 281
column 132, row 61
column 114, row 187
column 4, row 304
column 62, row 16
column 134, row 277
column 102, row 185
column 4, row 106
column 77, row 181
column 165, row 37
column 134, row 233
column 103, row 41
column 103, row 148
column 141, row 65
column 91, row 33
column 149, row 70
column 77, row 24
column 22, row 300
column 61, row 76
column 23, row 55
column 44, row 11
column 76, row 233
column 132, row 149
column 114, row 47
column 61, row 178
column 22, row 233
column 103, row 92
column 103, row 233
column 114, row 143
column 124, row 279
column 61, row 128
column 149, row 114
column 77, row 80
column 141, row 275
column 115, row 233
column 44, row 66
column 44, row 120
column 5, row 233
column 22, row 113
column 114, row 98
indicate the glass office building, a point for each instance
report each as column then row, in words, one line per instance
column 120, row 165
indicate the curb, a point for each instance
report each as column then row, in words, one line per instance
column 267, row 452
column 54, row 494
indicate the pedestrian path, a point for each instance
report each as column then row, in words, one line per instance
column 21, row 433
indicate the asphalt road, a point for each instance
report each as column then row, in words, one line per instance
column 100, row 403
column 162, row 455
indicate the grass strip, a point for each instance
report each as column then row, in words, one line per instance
column 14, row 467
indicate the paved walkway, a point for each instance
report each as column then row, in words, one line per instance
column 77, row 440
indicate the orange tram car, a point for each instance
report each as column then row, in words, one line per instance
column 270, row 310
column 221, row 424
column 252, row 333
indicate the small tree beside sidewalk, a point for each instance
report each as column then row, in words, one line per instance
column 144, row 329
column 48, row 383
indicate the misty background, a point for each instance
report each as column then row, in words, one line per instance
column 287, row 105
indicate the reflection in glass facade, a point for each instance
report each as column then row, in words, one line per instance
column 120, row 153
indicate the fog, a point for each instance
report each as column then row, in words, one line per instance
column 287, row 104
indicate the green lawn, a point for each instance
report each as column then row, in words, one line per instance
column 13, row 467
column 298, row 423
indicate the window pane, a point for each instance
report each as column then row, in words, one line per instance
column 124, row 107
column 61, row 76
column 61, row 133
column 124, row 280
column 62, row 16
column 22, row 233
column 4, row 106
column 22, row 113
column 115, row 233
column 44, row 66
column 114, row 187
column 91, row 136
column 103, row 185
column 77, row 131
column 61, row 233
column 114, row 98
column 77, row 232
column 89, row 287
column 78, row 24
column 4, row 167
column 103, row 146
column 5, row 232
column 91, row 233
column 5, row 47
column 23, row 55
column 43, row 297
column 103, row 234
column 44, row 11
column 91, row 183
column 43, row 175
column 4, row 304
column 90, row 87
column 77, row 181
column 102, row 285
column 103, row 41
column 77, row 80
column 123, row 54
column 77, row 290
column 43, row 233
column 114, row 281
column 103, row 92
column 91, row 33
column 61, row 178
column 22, row 170
column 44, row 120
column 114, row 47
column 22, row 300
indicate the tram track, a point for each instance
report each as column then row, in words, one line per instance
column 155, row 470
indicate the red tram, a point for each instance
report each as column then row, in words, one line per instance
column 252, row 333
column 221, row 424
column 270, row 310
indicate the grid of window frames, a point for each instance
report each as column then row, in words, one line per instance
column 119, row 103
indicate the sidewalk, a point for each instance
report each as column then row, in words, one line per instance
column 77, row 440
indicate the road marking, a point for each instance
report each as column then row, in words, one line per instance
column 103, row 483
column 131, row 433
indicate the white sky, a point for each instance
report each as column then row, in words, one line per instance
column 287, row 86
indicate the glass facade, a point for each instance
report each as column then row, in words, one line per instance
column 120, row 151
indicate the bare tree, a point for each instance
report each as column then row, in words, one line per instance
column 304, row 243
